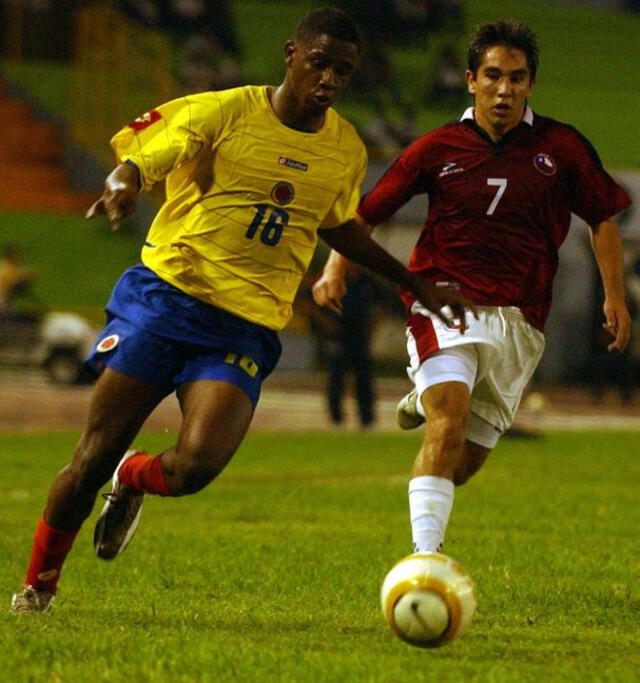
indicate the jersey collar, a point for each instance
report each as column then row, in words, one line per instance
column 527, row 117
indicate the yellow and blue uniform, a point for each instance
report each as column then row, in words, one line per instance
column 245, row 197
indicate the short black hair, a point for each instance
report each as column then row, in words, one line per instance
column 329, row 21
column 507, row 33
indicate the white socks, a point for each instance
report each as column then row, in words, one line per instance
column 430, row 503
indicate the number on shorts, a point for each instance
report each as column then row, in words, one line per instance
column 246, row 363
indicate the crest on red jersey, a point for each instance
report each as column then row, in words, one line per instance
column 145, row 120
column 282, row 193
column 544, row 163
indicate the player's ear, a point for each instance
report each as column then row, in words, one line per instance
column 471, row 81
column 289, row 51
column 532, row 83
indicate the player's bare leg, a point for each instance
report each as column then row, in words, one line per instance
column 471, row 461
column 119, row 406
column 118, row 409
column 216, row 417
column 431, row 488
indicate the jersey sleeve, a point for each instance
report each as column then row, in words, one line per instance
column 400, row 182
column 594, row 194
column 344, row 208
column 163, row 139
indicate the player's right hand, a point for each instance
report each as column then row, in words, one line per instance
column 118, row 199
column 328, row 291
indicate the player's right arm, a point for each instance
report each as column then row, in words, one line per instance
column 118, row 199
column 153, row 146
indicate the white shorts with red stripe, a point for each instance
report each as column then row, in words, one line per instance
column 496, row 358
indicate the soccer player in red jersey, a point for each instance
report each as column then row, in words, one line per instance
column 502, row 184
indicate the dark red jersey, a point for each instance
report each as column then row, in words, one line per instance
column 498, row 212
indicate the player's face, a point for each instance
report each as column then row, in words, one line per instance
column 500, row 88
column 319, row 71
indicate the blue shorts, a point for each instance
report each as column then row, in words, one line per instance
column 159, row 334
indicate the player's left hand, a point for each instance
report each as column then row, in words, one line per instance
column 618, row 324
column 447, row 303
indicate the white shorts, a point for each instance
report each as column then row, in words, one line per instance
column 495, row 358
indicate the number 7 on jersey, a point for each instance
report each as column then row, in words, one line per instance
column 501, row 184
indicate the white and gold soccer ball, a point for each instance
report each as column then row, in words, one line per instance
column 428, row 599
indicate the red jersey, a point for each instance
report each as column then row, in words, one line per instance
column 498, row 212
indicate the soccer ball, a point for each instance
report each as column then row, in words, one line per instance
column 427, row 599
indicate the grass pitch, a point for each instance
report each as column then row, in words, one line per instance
column 273, row 572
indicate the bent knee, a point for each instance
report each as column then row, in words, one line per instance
column 194, row 470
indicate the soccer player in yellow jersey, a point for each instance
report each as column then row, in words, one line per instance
column 253, row 176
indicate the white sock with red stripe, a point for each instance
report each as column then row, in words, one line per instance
column 430, row 503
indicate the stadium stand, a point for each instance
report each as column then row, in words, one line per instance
column 32, row 174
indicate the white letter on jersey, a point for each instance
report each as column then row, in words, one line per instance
column 501, row 184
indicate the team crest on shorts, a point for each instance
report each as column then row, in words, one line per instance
column 108, row 343
column 283, row 193
column 544, row 163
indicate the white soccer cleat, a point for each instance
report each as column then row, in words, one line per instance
column 31, row 600
column 407, row 414
column 119, row 518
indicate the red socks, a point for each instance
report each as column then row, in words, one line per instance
column 144, row 473
column 50, row 548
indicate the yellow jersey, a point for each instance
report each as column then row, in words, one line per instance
column 245, row 196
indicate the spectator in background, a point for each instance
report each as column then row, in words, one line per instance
column 393, row 121
column 447, row 85
column 345, row 346
column 14, row 278
column 375, row 83
column 631, row 6
column 210, row 54
column 147, row 12
column 203, row 31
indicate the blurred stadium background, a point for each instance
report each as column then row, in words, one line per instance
column 73, row 72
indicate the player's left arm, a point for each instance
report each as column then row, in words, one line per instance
column 353, row 241
column 607, row 248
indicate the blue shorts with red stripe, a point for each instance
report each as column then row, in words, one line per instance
column 157, row 333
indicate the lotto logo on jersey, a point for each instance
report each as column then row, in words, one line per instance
column 544, row 163
column 292, row 163
column 146, row 120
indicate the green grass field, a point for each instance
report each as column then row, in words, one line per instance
column 273, row 573
column 77, row 261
